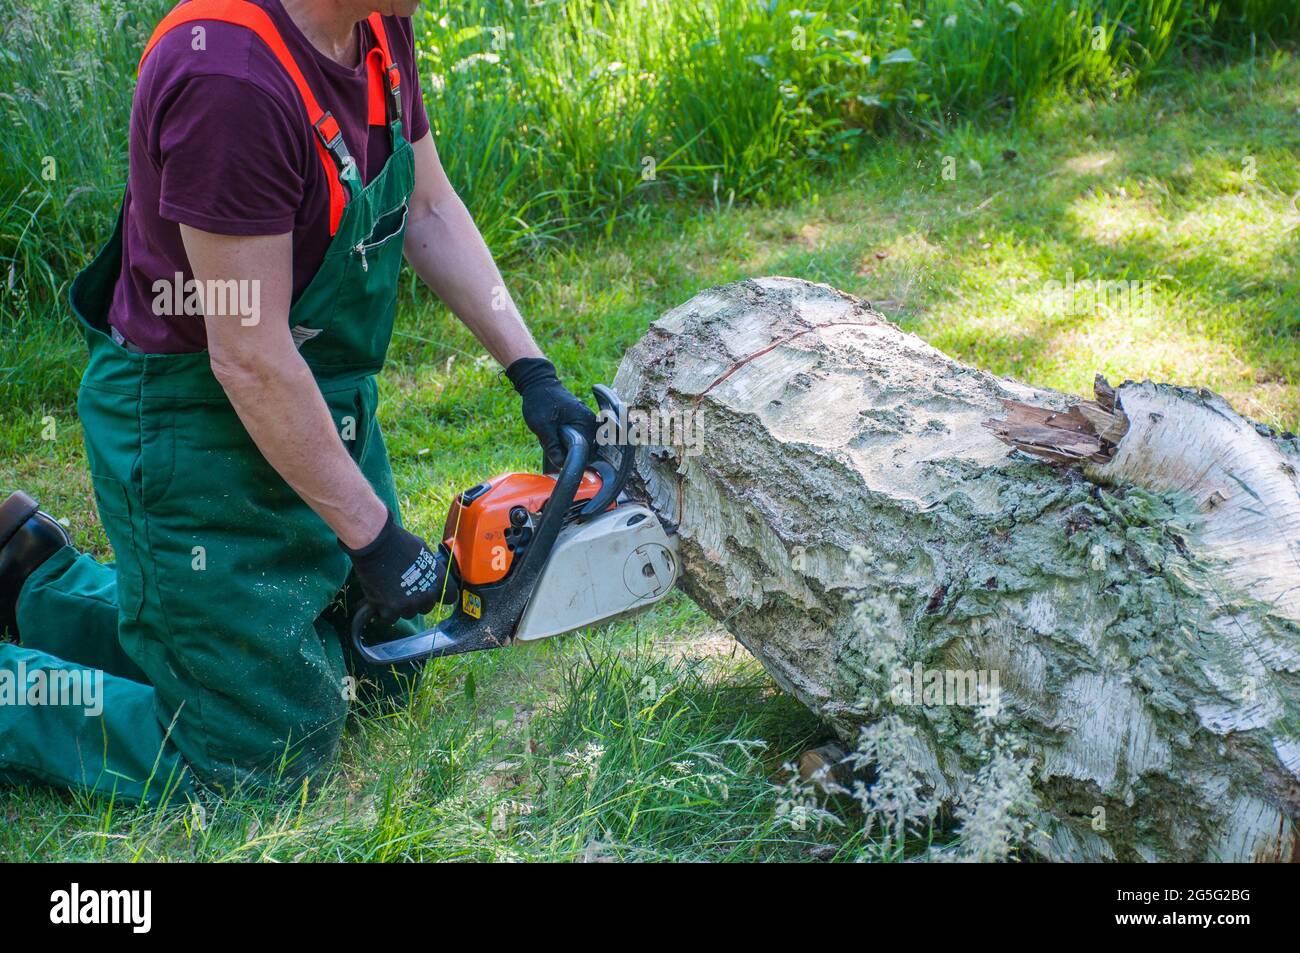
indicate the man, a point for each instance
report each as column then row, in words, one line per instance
column 280, row 167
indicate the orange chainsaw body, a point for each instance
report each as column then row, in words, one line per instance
column 479, row 532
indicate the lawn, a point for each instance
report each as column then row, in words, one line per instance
column 661, row 738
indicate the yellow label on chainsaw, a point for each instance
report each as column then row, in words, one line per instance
column 471, row 603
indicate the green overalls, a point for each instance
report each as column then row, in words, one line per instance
column 222, row 629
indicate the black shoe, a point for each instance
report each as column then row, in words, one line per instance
column 28, row 537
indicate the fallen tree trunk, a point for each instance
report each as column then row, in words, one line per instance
column 864, row 514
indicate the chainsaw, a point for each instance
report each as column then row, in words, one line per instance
column 530, row 556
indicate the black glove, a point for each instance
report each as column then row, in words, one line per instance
column 399, row 575
column 548, row 406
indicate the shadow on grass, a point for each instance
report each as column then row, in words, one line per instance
column 965, row 263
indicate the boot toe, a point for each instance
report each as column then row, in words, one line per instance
column 28, row 537
column 14, row 512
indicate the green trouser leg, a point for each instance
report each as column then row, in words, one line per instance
column 110, row 744
column 116, row 740
column 221, row 631
column 227, row 585
column 105, row 738
column 218, row 629
column 69, row 605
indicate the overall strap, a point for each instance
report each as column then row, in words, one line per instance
column 385, row 77
column 338, row 162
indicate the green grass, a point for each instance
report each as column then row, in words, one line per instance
column 642, row 740
column 595, row 749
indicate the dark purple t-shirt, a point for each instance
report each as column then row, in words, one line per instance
column 220, row 141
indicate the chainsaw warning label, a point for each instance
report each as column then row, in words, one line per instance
column 471, row 603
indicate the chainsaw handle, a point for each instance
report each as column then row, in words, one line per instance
column 360, row 619
column 458, row 632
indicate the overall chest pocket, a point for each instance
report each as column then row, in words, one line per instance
column 388, row 226
column 345, row 316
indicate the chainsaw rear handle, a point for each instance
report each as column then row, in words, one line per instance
column 503, row 603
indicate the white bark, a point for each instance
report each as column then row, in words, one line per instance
column 848, row 505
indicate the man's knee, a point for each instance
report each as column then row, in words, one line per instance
column 274, row 743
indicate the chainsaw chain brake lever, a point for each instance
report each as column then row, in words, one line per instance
column 503, row 603
column 612, row 477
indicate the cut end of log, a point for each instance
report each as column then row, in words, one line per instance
column 1088, row 432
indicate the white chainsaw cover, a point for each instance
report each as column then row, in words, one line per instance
column 620, row 561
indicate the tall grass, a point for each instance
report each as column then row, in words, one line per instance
column 67, row 71
column 583, row 111
column 562, row 116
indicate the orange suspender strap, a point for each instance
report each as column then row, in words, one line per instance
column 329, row 137
column 390, row 70
column 377, row 101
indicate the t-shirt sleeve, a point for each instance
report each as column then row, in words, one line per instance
column 419, row 118
column 418, row 127
column 230, row 160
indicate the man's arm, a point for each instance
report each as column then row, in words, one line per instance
column 445, row 248
column 272, row 389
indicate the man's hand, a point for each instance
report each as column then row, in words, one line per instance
column 548, row 406
column 399, row 575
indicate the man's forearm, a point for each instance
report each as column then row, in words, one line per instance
column 282, row 409
column 271, row 387
column 445, row 248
